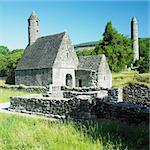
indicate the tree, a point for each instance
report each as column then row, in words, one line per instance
column 143, row 63
column 4, row 50
column 116, row 47
column 13, row 59
column 9, row 60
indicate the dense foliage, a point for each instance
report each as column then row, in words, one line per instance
column 143, row 63
column 116, row 47
column 9, row 60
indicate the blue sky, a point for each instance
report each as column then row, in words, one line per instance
column 83, row 20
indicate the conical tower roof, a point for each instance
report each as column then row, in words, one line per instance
column 33, row 16
column 134, row 18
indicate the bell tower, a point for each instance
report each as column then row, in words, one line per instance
column 134, row 38
column 33, row 28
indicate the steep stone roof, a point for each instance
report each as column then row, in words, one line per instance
column 42, row 53
column 33, row 16
column 134, row 19
column 94, row 63
column 89, row 62
column 104, row 67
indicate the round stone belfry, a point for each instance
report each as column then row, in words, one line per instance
column 134, row 38
column 33, row 28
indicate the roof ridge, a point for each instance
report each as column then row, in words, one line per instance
column 52, row 35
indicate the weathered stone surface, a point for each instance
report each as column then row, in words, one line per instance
column 134, row 37
column 52, row 59
column 80, row 107
column 122, row 111
column 26, row 88
column 33, row 29
column 137, row 94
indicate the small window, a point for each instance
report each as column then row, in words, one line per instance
column 80, row 83
column 67, row 55
column 37, row 23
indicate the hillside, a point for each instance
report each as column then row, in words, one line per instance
column 94, row 43
column 86, row 44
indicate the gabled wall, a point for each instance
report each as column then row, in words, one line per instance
column 66, row 56
column 104, row 74
column 65, row 63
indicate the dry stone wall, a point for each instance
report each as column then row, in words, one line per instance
column 137, row 94
column 26, row 88
column 122, row 111
column 51, row 107
column 80, row 107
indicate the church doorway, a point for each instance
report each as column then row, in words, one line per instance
column 69, row 80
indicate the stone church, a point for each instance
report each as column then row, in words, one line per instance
column 52, row 60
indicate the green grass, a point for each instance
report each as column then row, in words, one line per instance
column 123, row 79
column 6, row 93
column 21, row 132
column 2, row 82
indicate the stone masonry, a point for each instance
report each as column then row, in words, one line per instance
column 81, row 103
column 137, row 94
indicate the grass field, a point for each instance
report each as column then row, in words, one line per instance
column 2, row 82
column 123, row 79
column 5, row 94
column 21, row 132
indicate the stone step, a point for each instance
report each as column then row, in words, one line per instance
column 58, row 94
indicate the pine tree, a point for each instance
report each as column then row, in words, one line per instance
column 117, row 48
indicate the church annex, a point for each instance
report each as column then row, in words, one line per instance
column 52, row 60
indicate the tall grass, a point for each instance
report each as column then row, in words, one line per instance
column 18, row 132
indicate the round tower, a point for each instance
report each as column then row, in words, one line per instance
column 33, row 28
column 134, row 38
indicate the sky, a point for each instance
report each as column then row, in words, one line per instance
column 83, row 20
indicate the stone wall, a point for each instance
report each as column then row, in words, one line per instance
column 26, row 88
column 34, row 77
column 82, row 89
column 51, row 107
column 122, row 111
column 80, row 107
column 85, row 78
column 137, row 94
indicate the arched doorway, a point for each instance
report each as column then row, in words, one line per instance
column 69, row 80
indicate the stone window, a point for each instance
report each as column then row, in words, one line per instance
column 37, row 23
column 80, row 83
column 67, row 55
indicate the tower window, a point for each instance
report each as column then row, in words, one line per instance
column 37, row 23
